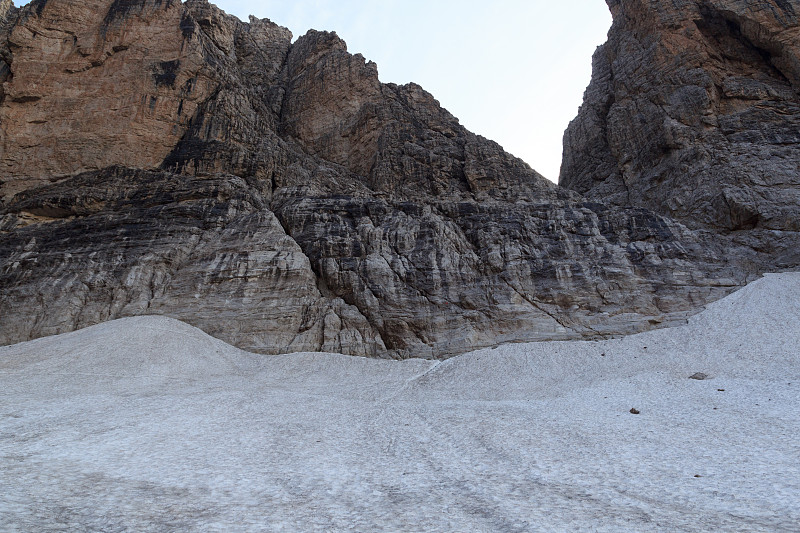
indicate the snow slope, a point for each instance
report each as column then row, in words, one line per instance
column 148, row 424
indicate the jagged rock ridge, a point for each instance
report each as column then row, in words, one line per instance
column 280, row 197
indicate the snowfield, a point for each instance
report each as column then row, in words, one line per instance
column 147, row 424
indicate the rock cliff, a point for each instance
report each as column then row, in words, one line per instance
column 694, row 112
column 160, row 157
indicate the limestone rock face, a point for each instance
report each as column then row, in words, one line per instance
column 161, row 157
column 439, row 278
column 98, row 83
column 123, row 242
column 694, row 112
column 360, row 275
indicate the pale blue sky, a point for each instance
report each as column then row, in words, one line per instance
column 511, row 70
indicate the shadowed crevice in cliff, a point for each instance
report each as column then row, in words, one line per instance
column 724, row 31
column 8, row 14
column 38, row 6
column 345, row 303
column 122, row 9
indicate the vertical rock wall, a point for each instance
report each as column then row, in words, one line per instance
column 694, row 112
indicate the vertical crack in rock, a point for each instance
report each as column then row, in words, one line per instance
column 326, row 292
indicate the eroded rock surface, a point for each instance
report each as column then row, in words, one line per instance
column 165, row 158
column 361, row 275
column 694, row 112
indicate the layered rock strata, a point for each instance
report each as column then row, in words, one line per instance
column 361, row 275
column 161, row 157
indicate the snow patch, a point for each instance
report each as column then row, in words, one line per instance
column 148, row 424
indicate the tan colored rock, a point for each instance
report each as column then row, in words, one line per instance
column 91, row 87
column 332, row 97
column 99, row 83
column 694, row 112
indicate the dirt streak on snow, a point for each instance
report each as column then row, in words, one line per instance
column 147, row 424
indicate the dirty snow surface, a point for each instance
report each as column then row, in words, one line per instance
column 147, row 424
